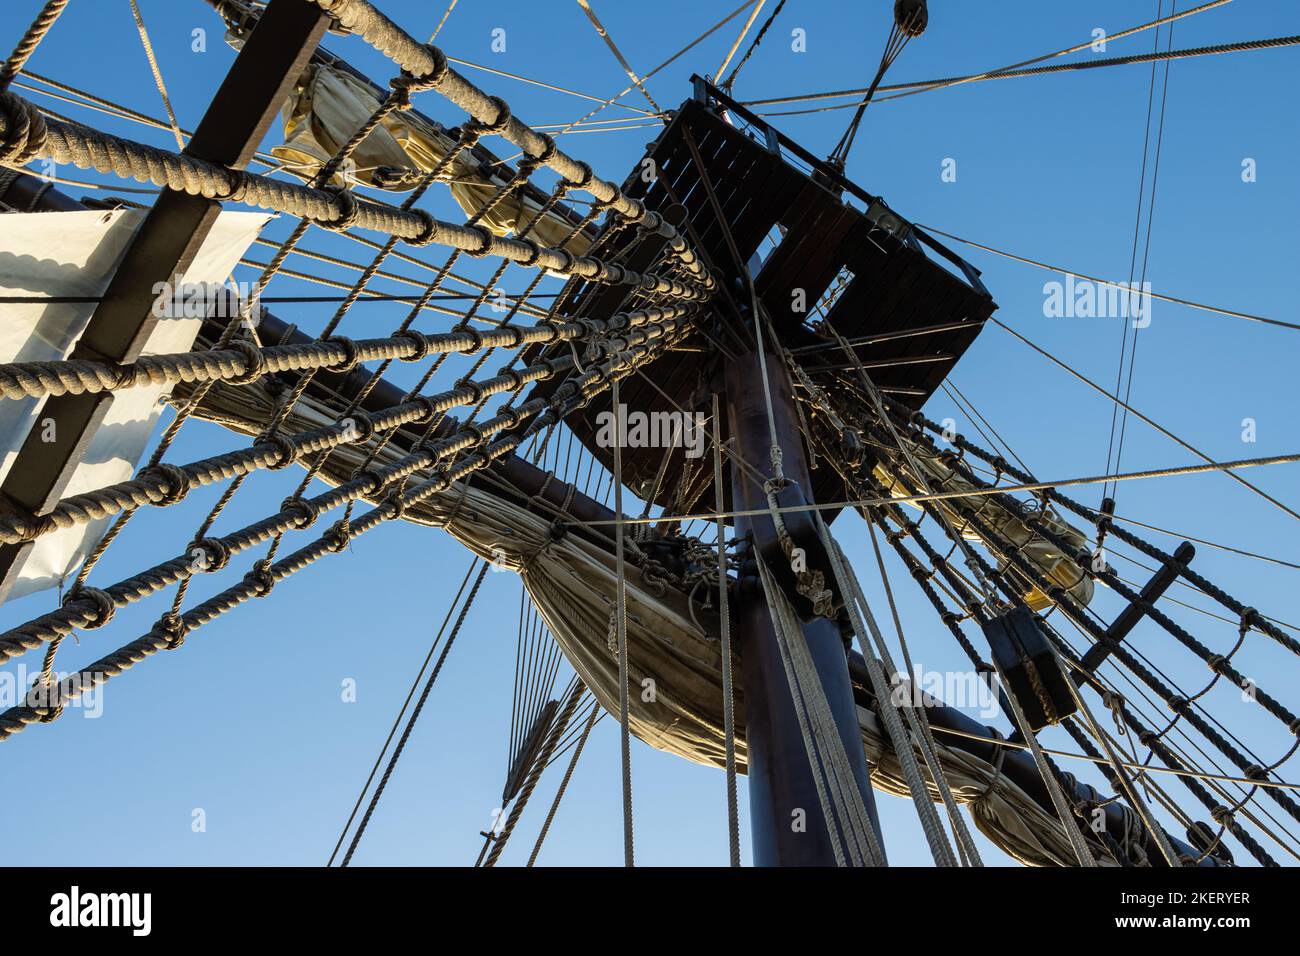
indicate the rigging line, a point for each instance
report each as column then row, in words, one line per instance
column 1208, row 544
column 1118, row 285
column 899, row 35
column 1154, row 830
column 1129, row 765
column 1146, row 254
column 157, row 74
column 740, row 37
column 1137, row 235
column 564, row 783
column 30, row 41
column 545, row 86
column 728, row 690
column 368, row 296
column 951, row 388
column 954, row 81
column 756, row 312
column 441, row 23
column 672, row 59
column 1137, row 585
column 564, row 748
column 1266, row 43
column 1181, row 753
column 961, row 834
column 398, row 719
column 415, row 715
column 514, row 698
column 1213, row 466
column 1187, row 585
column 618, row 54
column 620, row 624
column 1164, row 431
column 758, row 38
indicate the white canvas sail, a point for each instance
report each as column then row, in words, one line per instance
column 76, row 254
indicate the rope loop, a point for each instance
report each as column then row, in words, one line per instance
column 288, row 452
column 260, row 578
column 419, row 340
column 351, row 353
column 398, row 504
column 587, row 176
column 173, row 476
column 498, row 125
column 489, row 241
column 216, row 552
column 173, row 628
column 22, row 130
column 1249, row 617
column 336, row 539
column 240, row 180
column 535, row 252
column 516, row 380
column 348, row 208
column 103, row 605
column 475, row 389
column 428, row 409
column 254, row 362
column 569, row 261
column 407, row 83
column 303, row 512
column 474, row 334
column 530, row 163
column 428, row 233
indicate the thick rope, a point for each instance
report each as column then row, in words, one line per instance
column 620, row 629
column 728, row 687
column 30, row 41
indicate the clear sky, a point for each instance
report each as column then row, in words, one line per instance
column 247, row 722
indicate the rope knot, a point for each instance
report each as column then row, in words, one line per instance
column 215, row 553
column 22, row 130
column 489, row 241
column 407, row 83
column 254, row 362
column 260, row 578
column 346, row 205
column 286, row 450
column 102, row 604
column 397, row 503
column 337, row 537
column 1249, row 617
column 170, row 477
column 429, row 230
column 173, row 629
column 419, row 341
column 351, row 353
column 301, row 512
column 498, row 125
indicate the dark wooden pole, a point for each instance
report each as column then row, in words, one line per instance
column 787, row 825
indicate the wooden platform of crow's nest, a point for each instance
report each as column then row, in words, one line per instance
column 914, row 306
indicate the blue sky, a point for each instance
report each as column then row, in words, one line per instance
column 246, row 722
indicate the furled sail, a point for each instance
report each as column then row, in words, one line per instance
column 326, row 108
